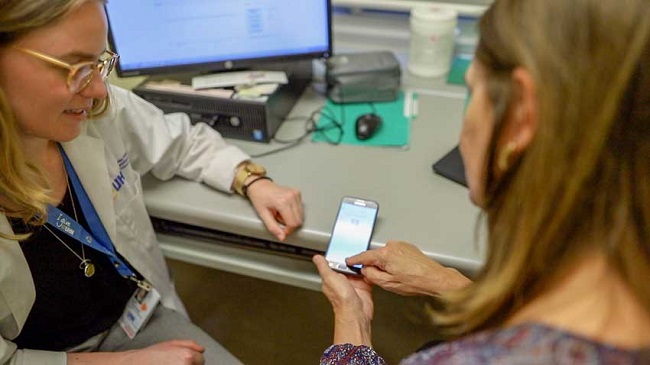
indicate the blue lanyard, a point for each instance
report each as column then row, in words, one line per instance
column 99, row 239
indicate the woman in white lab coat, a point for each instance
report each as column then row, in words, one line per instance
column 65, row 179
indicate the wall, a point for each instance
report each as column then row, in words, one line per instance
column 464, row 7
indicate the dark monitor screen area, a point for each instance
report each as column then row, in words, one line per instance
column 201, row 36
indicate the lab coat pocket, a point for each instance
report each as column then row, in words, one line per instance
column 126, row 189
column 133, row 223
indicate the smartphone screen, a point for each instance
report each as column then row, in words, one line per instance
column 352, row 232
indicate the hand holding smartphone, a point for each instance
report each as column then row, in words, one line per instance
column 351, row 234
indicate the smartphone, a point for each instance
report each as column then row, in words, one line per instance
column 351, row 234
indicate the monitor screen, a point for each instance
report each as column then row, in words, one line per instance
column 162, row 36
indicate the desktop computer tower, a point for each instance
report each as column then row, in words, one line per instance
column 246, row 119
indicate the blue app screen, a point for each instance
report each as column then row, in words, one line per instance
column 352, row 231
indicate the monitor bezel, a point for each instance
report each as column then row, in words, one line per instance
column 222, row 65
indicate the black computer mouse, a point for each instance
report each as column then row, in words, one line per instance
column 367, row 125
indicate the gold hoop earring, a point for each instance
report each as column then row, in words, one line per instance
column 503, row 161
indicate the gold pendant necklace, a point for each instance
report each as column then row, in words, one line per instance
column 86, row 264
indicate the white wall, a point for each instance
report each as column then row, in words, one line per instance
column 464, row 7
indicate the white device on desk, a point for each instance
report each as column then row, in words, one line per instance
column 352, row 231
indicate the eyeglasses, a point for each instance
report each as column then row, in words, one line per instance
column 81, row 74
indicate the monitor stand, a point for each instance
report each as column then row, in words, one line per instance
column 253, row 119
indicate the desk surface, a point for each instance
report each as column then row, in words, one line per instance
column 416, row 205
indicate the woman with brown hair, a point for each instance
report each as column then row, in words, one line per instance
column 556, row 146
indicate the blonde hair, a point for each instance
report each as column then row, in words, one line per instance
column 24, row 190
column 583, row 185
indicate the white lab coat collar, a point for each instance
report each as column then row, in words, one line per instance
column 86, row 153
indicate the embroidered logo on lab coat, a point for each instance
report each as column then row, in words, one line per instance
column 119, row 180
column 123, row 161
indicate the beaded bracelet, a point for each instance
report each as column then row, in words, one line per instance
column 245, row 187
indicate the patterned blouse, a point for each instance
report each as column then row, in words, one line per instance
column 529, row 344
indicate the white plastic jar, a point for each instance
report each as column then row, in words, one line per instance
column 432, row 40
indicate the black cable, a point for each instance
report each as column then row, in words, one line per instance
column 280, row 149
column 372, row 105
column 342, row 103
column 311, row 126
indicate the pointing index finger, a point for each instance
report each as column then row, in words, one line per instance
column 368, row 257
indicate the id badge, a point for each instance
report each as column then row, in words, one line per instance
column 138, row 310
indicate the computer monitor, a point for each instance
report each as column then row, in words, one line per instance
column 201, row 36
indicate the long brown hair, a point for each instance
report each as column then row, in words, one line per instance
column 583, row 185
column 24, row 190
